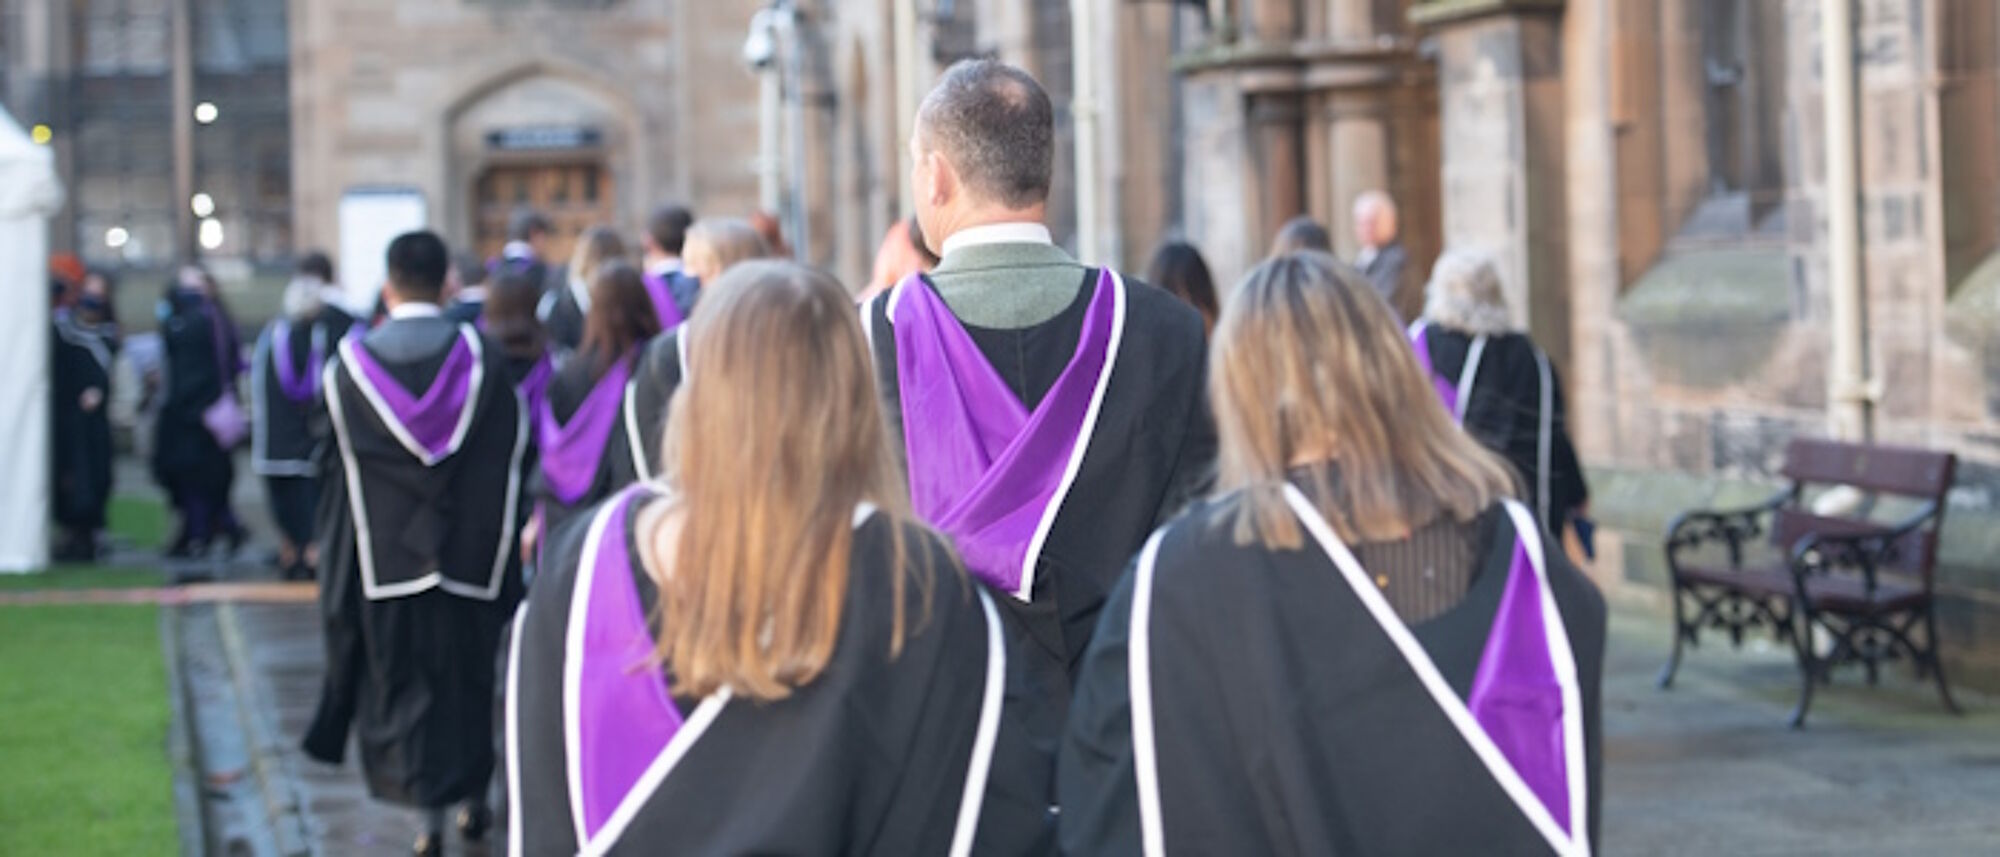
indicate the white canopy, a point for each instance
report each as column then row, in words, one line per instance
column 29, row 196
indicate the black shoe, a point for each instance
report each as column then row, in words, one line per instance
column 236, row 535
column 473, row 822
column 429, row 845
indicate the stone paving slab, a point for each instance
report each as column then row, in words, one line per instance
column 1708, row 767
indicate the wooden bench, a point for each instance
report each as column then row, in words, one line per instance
column 1866, row 583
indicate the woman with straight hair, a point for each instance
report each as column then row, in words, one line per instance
column 578, row 426
column 763, row 653
column 564, row 311
column 715, row 245
column 1365, row 645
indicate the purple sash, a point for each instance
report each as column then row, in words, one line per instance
column 1523, row 717
column 571, row 452
column 1516, row 696
column 534, row 386
column 983, row 469
column 663, row 301
column 297, row 386
column 430, row 427
column 621, row 714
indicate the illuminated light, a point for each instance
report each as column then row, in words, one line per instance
column 210, row 234
column 41, row 134
column 116, row 236
column 203, row 205
column 206, row 112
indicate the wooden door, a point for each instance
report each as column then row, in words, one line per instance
column 574, row 196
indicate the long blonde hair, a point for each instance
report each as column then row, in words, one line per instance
column 771, row 443
column 1310, row 365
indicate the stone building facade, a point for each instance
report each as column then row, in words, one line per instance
column 592, row 111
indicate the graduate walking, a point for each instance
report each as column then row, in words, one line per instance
column 285, row 436
column 418, row 566
column 1050, row 413
column 764, row 653
column 580, row 430
column 1366, row 645
column 1499, row 385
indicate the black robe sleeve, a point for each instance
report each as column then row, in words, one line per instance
column 1095, row 780
column 340, row 613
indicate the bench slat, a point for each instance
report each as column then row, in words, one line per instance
column 1902, row 471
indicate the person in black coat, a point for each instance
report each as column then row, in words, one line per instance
column 1499, row 384
column 85, row 344
column 287, row 438
column 190, row 459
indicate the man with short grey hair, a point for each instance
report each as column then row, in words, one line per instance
column 1376, row 231
column 1051, row 414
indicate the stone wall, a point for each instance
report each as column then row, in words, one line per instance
column 399, row 93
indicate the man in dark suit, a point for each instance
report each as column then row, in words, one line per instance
column 1381, row 255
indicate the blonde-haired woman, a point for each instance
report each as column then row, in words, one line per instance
column 765, row 654
column 714, row 245
column 1364, row 646
column 563, row 311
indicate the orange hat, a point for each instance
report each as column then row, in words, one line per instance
column 66, row 267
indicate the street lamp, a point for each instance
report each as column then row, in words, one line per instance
column 206, row 112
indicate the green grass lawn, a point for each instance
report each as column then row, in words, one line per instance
column 83, row 732
column 140, row 520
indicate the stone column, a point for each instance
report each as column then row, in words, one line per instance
column 1501, row 104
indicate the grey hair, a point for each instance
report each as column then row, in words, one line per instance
column 1464, row 294
column 996, row 127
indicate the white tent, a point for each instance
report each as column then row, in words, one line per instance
column 29, row 196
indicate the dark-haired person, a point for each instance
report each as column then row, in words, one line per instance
column 666, row 273
column 86, row 342
column 465, row 298
column 418, row 566
column 1301, row 234
column 580, row 426
column 1178, row 267
column 1050, row 412
column 508, row 316
column 765, row 653
column 200, row 419
column 1498, row 384
column 1366, row 645
column 285, row 437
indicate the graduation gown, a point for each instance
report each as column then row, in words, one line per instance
column 654, row 379
column 673, row 294
column 581, row 440
column 1241, row 700
column 201, row 364
column 285, row 374
column 1109, row 433
column 1506, row 393
column 562, row 315
column 82, row 439
column 875, row 756
column 419, row 565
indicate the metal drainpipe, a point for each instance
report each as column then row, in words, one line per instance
column 1083, row 110
column 1850, row 393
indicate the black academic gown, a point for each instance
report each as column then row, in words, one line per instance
column 654, row 380
column 1153, row 450
column 562, row 317
column 82, row 439
column 1505, row 415
column 286, row 436
column 413, row 624
column 615, row 468
column 1285, row 722
column 187, row 461
column 874, row 756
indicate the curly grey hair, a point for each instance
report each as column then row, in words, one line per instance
column 1464, row 294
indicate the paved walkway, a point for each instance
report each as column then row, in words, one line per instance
column 1707, row 768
